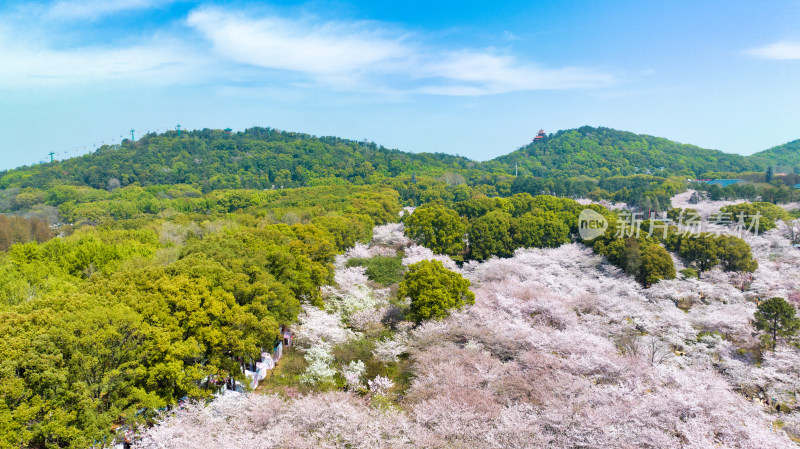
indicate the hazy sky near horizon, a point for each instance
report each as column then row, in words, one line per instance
column 475, row 78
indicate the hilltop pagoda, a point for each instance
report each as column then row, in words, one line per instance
column 539, row 136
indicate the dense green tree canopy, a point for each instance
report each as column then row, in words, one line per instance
column 112, row 323
column 758, row 217
column 438, row 228
column 434, row 290
column 603, row 152
column 706, row 250
column 490, row 235
column 785, row 154
column 599, row 163
column 735, row 255
column 641, row 257
column 656, row 265
column 540, row 230
column 258, row 158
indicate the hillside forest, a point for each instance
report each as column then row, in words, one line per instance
column 433, row 301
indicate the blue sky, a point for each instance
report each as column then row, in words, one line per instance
column 470, row 77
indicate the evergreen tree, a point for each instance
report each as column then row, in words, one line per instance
column 434, row 290
column 438, row 228
column 778, row 319
column 656, row 265
column 490, row 235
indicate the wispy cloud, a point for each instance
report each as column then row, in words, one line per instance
column 341, row 52
column 33, row 64
column 267, row 50
column 95, row 9
column 34, row 52
column 298, row 45
column 778, row 50
column 475, row 73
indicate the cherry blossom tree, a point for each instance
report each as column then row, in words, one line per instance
column 380, row 385
column 390, row 234
column 388, row 350
column 318, row 326
column 560, row 349
column 705, row 208
column 416, row 253
column 319, row 370
column 352, row 374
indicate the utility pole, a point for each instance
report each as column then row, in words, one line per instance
column 179, row 129
column 51, row 156
column 132, row 138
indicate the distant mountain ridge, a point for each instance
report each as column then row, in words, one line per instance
column 603, row 152
column 257, row 158
column 263, row 158
column 787, row 154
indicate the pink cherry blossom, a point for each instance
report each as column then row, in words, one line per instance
column 560, row 349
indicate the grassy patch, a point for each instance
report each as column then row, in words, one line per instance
column 360, row 349
column 384, row 270
column 711, row 333
column 399, row 372
column 402, row 375
column 286, row 373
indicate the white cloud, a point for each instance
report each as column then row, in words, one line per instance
column 297, row 45
column 357, row 56
column 33, row 64
column 476, row 73
column 351, row 54
column 778, row 50
column 34, row 53
column 94, row 9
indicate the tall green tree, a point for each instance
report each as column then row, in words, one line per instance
column 434, row 290
column 702, row 250
column 778, row 319
column 735, row 255
column 438, row 228
column 656, row 265
column 543, row 230
column 490, row 235
column 632, row 257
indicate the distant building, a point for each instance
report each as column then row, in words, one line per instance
column 781, row 170
column 797, row 186
column 539, row 136
column 774, row 171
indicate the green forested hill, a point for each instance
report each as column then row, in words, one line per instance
column 594, row 162
column 604, row 152
column 212, row 159
column 787, row 154
column 263, row 158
